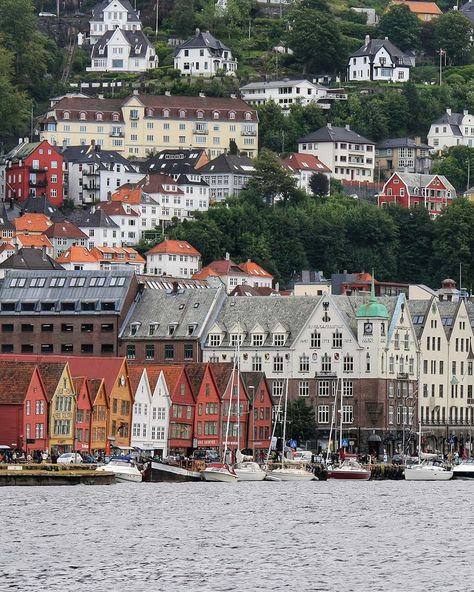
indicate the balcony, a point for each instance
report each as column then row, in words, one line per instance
column 326, row 374
column 38, row 169
column 248, row 132
column 402, row 376
column 118, row 134
column 91, row 173
column 200, row 132
column 38, row 183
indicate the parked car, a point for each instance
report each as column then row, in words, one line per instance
column 207, row 455
column 69, row 458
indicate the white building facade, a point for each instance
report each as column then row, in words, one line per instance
column 204, row 56
column 378, row 60
column 123, row 51
column 452, row 129
column 112, row 15
column 283, row 92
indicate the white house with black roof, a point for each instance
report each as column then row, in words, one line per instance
column 379, row 60
column 204, row 55
column 92, row 174
column 227, row 175
column 349, row 155
column 99, row 227
column 110, row 14
column 452, row 129
column 123, row 51
column 282, row 92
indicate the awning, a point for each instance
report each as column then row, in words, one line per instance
column 2, row 447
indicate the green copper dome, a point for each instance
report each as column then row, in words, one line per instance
column 372, row 308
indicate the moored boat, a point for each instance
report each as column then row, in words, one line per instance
column 429, row 469
column 249, row 471
column 173, row 471
column 219, row 472
column 350, row 468
column 290, row 471
column 465, row 470
column 124, row 469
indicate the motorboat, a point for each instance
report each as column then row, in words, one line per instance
column 431, row 468
column 465, row 470
column 172, row 470
column 350, row 468
column 249, row 471
column 124, row 468
column 219, row 472
column 288, row 471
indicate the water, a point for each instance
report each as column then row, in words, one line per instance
column 211, row 537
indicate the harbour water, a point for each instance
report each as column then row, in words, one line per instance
column 212, row 537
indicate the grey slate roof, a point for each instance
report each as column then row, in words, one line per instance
column 20, row 152
column 136, row 39
column 5, row 223
column 42, row 287
column 400, row 143
column 98, row 10
column 467, row 10
column 41, row 205
column 419, row 311
column 102, row 158
column 330, row 133
column 348, row 306
column 370, row 50
column 454, row 120
column 413, row 180
column 88, row 219
column 173, row 162
column 164, row 308
column 204, row 41
column 30, row 259
column 229, row 164
column 186, row 180
column 276, row 84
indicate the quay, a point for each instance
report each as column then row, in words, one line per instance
column 49, row 474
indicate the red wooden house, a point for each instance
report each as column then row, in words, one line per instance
column 180, row 439
column 208, row 406
column 23, row 407
column 231, row 388
column 83, row 414
column 260, row 422
column 34, row 169
column 433, row 192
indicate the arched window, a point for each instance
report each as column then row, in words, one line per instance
column 215, row 115
column 166, row 112
column 182, row 113
column 248, row 116
column 66, row 115
column 115, row 116
column 200, row 114
column 231, row 114
column 149, row 112
column 99, row 116
column 82, row 115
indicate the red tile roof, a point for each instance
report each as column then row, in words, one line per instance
column 77, row 254
column 305, row 162
column 116, row 208
column 135, row 373
column 156, row 184
column 222, row 374
column 32, row 223
column 33, row 240
column 195, row 372
column 129, row 255
column 175, row 247
column 128, row 194
column 65, row 230
column 419, row 7
column 254, row 270
column 15, row 379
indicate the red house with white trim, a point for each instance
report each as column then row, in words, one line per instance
column 23, row 407
column 433, row 192
column 34, row 169
column 208, row 406
column 83, row 414
column 260, row 417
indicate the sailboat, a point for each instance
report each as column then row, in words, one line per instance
column 430, row 467
column 350, row 468
column 289, row 470
column 224, row 472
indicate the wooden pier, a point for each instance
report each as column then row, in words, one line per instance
column 49, row 474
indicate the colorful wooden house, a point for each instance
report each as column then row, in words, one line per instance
column 260, row 416
column 100, row 409
column 208, row 406
column 83, row 414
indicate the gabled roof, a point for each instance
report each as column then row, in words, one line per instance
column 32, row 223
column 94, row 385
column 136, row 40
column 51, row 372
column 30, row 258
column 413, row 180
column 77, row 254
column 298, row 161
column 94, row 154
column 21, row 151
column 98, row 10
column 252, row 380
column 400, row 143
column 119, row 255
column 174, row 162
column 135, row 373
column 330, row 133
column 419, row 7
column 195, row 372
column 175, row 247
column 95, row 219
column 204, row 41
column 116, row 208
column 33, row 240
column 222, row 374
column 156, row 182
column 254, row 270
column 286, row 82
column 65, row 229
column 229, row 164
column 371, row 49
column 15, row 378
column 5, row 223
column 41, row 205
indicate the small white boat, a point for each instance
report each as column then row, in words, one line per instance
column 290, row 472
column 465, row 470
column 430, row 469
column 219, row 472
column 350, row 468
column 249, row 471
column 124, row 468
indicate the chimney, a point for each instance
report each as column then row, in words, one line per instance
column 249, row 260
column 136, row 91
column 329, row 126
column 43, row 254
column 198, row 31
column 227, row 256
column 167, row 93
column 417, row 140
column 232, row 96
column 465, row 112
column 202, row 95
column 348, row 127
column 100, row 96
column 277, row 286
column 386, row 38
column 448, row 111
column 367, row 39
column 175, row 287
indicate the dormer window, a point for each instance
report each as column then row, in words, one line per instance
column 191, row 329
column 182, row 113
column 99, row 116
column 172, row 328
column 248, row 116
column 257, row 339
column 236, row 339
column 232, row 115
column 166, row 112
column 149, row 112
column 115, row 116
column 134, row 328
column 82, row 115
column 215, row 115
column 66, row 115
column 279, row 339
column 215, row 340
column 200, row 114
column 153, row 328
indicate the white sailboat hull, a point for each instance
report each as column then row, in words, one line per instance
column 250, row 476
column 217, row 476
column 420, row 474
column 290, row 475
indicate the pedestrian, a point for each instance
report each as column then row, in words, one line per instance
column 44, row 456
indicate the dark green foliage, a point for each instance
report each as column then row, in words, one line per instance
column 453, row 32
column 401, row 26
column 300, row 421
column 319, row 184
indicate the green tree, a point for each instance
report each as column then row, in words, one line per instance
column 14, row 106
column 453, row 33
column 270, row 180
column 401, row 26
column 272, row 127
column 456, row 164
column 316, row 40
column 301, row 424
column 182, row 18
column 319, row 184
column 233, row 148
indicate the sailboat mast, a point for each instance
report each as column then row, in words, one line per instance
column 284, row 423
column 238, row 394
column 231, row 382
column 419, row 441
column 340, row 413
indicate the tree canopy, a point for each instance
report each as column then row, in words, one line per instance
column 401, row 26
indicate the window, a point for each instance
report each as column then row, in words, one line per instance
column 326, row 363
column 277, row 388
column 188, row 351
column 323, row 414
column 257, row 339
column 316, row 340
column 323, row 389
column 279, row 339
column 347, row 414
column 348, row 365
column 304, row 363
column 277, row 363
column 150, row 352
column 131, row 352
column 214, row 340
column 337, row 340
column 348, row 389
column 169, row 352
column 256, row 364
column 303, row 388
